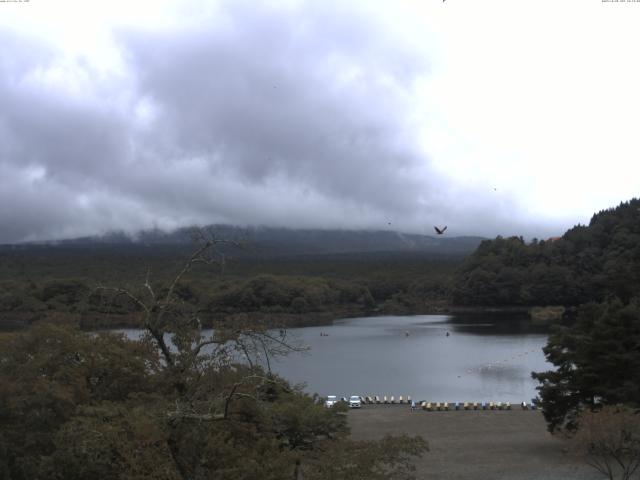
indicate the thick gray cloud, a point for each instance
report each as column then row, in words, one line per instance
column 290, row 116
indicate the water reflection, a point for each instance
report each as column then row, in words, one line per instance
column 482, row 359
column 495, row 324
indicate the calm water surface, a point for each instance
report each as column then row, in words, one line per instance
column 484, row 358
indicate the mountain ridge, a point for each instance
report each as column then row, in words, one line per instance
column 261, row 241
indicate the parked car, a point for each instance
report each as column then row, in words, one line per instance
column 330, row 401
column 354, row 401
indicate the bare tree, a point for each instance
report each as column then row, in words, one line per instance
column 176, row 329
column 610, row 441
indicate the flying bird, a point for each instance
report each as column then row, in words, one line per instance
column 440, row 231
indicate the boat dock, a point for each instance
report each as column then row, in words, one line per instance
column 442, row 406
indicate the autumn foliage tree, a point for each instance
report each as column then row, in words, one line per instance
column 609, row 440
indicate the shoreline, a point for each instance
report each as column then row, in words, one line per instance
column 16, row 321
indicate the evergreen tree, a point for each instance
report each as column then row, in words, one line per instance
column 597, row 362
column 588, row 263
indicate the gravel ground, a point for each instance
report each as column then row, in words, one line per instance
column 478, row 445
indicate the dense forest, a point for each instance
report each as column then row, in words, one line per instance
column 49, row 282
column 588, row 263
column 593, row 392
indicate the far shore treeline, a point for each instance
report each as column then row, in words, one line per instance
column 588, row 263
column 44, row 282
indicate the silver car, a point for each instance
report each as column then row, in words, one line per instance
column 330, row 401
column 354, row 401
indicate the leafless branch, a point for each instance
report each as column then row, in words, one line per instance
column 204, row 343
column 148, row 286
column 123, row 292
column 266, row 356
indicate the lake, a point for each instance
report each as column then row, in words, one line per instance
column 484, row 358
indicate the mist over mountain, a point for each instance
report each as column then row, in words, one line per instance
column 261, row 241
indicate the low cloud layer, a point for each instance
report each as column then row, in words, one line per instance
column 298, row 116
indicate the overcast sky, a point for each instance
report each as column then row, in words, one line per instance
column 492, row 117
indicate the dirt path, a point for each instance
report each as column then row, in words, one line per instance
column 478, row 445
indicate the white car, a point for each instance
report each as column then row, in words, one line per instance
column 354, row 401
column 330, row 401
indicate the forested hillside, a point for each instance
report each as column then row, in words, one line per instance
column 588, row 263
column 52, row 282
